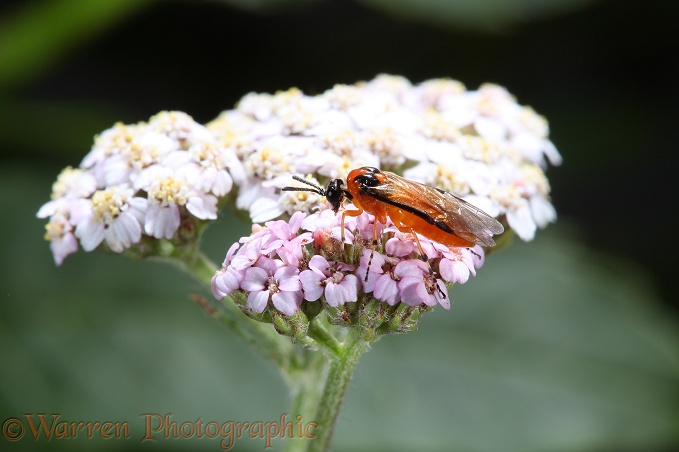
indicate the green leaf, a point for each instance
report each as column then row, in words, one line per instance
column 38, row 34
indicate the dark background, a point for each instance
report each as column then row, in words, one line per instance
column 569, row 342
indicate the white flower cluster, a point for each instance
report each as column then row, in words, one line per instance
column 480, row 145
column 137, row 180
column 146, row 179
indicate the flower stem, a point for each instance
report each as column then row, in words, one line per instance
column 306, row 389
column 340, row 371
column 323, row 337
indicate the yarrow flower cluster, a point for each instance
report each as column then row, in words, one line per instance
column 300, row 268
column 162, row 179
column 477, row 144
column 328, row 278
column 141, row 180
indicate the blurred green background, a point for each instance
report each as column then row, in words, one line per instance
column 569, row 342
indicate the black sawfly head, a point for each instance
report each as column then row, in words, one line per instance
column 334, row 192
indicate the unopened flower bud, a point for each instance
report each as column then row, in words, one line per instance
column 296, row 325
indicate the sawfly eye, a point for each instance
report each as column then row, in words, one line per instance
column 368, row 180
column 334, row 193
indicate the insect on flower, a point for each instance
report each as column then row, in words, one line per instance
column 413, row 207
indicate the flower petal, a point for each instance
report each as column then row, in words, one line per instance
column 257, row 300
column 254, row 279
column 287, row 302
column 311, row 283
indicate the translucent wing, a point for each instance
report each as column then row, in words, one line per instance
column 439, row 208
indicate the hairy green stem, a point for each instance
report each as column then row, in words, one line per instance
column 340, row 371
column 322, row 337
column 306, row 388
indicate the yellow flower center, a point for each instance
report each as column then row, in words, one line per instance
column 107, row 205
column 169, row 191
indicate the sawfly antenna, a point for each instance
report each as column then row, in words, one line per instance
column 334, row 193
column 316, row 188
